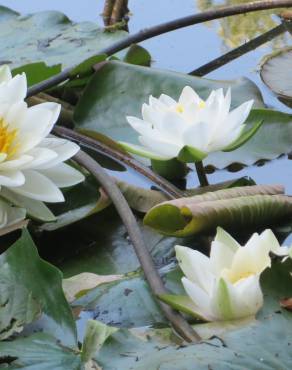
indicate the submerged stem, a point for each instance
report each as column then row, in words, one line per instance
column 156, row 284
column 201, row 173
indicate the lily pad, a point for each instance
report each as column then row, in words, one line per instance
column 30, row 286
column 39, row 351
column 233, row 208
column 50, row 37
column 276, row 72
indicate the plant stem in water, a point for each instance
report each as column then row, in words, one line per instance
column 201, row 173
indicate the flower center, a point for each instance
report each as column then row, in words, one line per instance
column 179, row 108
column 7, row 139
column 202, row 104
column 234, row 277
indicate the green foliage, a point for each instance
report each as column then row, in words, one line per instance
column 37, row 72
column 31, row 286
column 50, row 37
column 231, row 208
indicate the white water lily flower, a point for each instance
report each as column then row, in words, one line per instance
column 31, row 162
column 190, row 128
column 226, row 285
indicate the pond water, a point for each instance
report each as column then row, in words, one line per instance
column 186, row 49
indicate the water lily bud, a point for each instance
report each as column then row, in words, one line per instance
column 225, row 286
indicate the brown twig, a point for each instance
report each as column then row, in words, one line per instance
column 107, row 11
column 239, row 51
column 170, row 190
column 177, row 321
column 201, row 174
column 164, row 28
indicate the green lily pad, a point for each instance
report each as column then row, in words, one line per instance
column 39, row 351
column 276, row 72
column 50, row 37
column 30, row 286
column 37, row 72
column 232, row 208
column 103, row 246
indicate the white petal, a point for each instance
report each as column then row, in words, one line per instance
column 259, row 248
column 238, row 116
column 5, row 74
column 199, row 297
column 55, row 110
column 221, row 140
column 197, row 136
column 34, row 127
column 17, row 163
column 172, row 126
column 141, row 126
column 14, row 114
column 63, row 175
column 157, row 104
column 64, row 150
column 189, row 96
column 14, row 90
column 222, row 252
column 40, row 157
column 39, row 187
column 161, row 147
column 268, row 237
column 196, row 267
column 243, row 299
column 11, row 178
column 167, row 100
column 247, row 297
column 151, row 115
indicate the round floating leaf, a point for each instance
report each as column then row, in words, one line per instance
column 39, row 351
column 30, row 286
column 50, row 37
column 276, row 72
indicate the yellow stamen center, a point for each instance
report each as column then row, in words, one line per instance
column 179, row 108
column 202, row 104
column 235, row 277
column 7, row 139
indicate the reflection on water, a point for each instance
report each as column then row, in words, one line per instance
column 238, row 29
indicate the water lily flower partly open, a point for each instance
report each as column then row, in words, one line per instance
column 190, row 128
column 226, row 285
column 31, row 162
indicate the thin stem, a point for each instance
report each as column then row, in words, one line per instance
column 239, row 51
column 147, row 264
column 201, row 174
column 163, row 28
column 167, row 188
